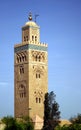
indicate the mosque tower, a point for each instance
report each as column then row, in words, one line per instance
column 30, row 72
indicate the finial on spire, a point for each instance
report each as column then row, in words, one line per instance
column 36, row 15
column 30, row 16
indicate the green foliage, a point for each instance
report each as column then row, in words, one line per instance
column 51, row 112
column 64, row 127
column 76, row 124
column 28, row 124
column 76, row 119
column 69, row 127
column 11, row 123
column 20, row 124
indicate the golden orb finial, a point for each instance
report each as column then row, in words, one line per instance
column 30, row 16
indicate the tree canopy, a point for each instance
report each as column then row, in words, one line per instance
column 51, row 111
column 24, row 123
column 11, row 123
column 76, row 119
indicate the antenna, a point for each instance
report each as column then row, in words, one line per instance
column 36, row 15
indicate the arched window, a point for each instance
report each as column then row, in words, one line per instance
column 35, row 38
column 20, row 59
column 22, row 91
column 23, row 58
column 32, row 38
column 39, row 100
column 39, row 58
column 24, row 94
column 21, row 69
column 17, row 59
column 36, row 57
column 38, row 75
column 36, row 100
column 24, row 38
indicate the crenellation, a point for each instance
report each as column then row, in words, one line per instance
column 30, row 42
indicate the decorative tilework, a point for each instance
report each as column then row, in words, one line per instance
column 21, row 48
column 30, row 46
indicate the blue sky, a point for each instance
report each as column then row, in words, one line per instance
column 60, row 28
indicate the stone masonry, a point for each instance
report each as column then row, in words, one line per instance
column 30, row 72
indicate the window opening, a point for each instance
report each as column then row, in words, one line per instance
column 39, row 58
column 36, row 100
column 32, row 38
column 21, row 70
column 20, row 59
column 39, row 100
column 35, row 38
column 23, row 58
column 36, row 57
column 39, row 75
column 36, row 75
column 24, row 38
column 17, row 59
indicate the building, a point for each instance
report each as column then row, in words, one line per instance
column 30, row 72
column 2, row 126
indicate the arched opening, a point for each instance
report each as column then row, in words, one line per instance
column 24, row 38
column 32, row 38
column 35, row 38
column 36, row 100
column 39, row 100
column 22, row 91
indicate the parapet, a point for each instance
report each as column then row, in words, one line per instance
column 30, row 42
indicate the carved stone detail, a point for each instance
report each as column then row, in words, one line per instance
column 38, row 71
column 38, row 56
column 38, row 96
column 21, row 57
column 21, row 89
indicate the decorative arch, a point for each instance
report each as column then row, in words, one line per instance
column 21, row 69
column 38, row 56
column 38, row 72
column 38, row 96
column 22, row 91
column 21, row 57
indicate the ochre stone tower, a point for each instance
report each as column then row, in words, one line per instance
column 30, row 72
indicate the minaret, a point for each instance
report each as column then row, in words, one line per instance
column 30, row 72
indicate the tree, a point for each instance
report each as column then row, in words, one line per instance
column 51, row 112
column 75, row 124
column 76, row 119
column 28, row 123
column 24, row 123
column 11, row 123
column 64, row 127
column 69, row 127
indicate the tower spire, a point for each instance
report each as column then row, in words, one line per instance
column 30, row 16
